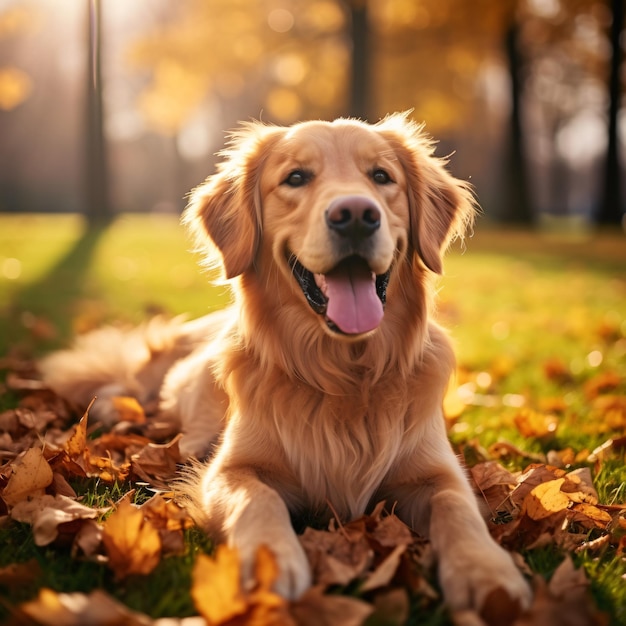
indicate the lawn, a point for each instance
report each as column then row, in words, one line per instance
column 540, row 326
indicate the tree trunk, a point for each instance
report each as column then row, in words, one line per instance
column 96, row 192
column 611, row 211
column 359, row 103
column 516, row 207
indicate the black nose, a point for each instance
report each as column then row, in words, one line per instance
column 356, row 217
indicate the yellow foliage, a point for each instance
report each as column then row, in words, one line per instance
column 284, row 104
column 15, row 87
column 18, row 19
column 172, row 97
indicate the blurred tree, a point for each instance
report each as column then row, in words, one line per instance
column 566, row 55
column 516, row 206
column 96, row 183
column 359, row 104
column 611, row 209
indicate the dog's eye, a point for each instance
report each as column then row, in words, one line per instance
column 297, row 178
column 380, row 177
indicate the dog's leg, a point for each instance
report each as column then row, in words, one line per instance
column 441, row 505
column 233, row 504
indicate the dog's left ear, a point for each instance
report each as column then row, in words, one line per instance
column 441, row 207
column 224, row 213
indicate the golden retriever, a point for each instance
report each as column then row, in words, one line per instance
column 321, row 388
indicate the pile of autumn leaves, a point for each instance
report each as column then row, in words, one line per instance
column 377, row 562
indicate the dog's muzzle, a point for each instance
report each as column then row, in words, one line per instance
column 351, row 297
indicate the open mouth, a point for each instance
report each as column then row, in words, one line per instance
column 351, row 297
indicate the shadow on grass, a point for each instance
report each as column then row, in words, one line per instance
column 40, row 315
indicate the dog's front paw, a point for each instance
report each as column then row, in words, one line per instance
column 487, row 582
column 294, row 573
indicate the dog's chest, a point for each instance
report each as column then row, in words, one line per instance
column 340, row 450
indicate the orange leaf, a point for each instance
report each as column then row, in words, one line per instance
column 266, row 568
column 129, row 409
column 534, row 424
column 545, row 499
column 76, row 609
column 132, row 543
column 216, row 588
column 31, row 475
column 76, row 443
column 590, row 516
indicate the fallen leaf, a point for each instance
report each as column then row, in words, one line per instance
column 131, row 541
column 129, row 409
column 47, row 513
column 589, row 516
column 31, row 475
column 78, row 609
column 315, row 608
column 16, row 575
column 216, row 587
column 545, row 499
column 564, row 601
column 535, row 424
column 391, row 608
column 75, row 445
column 383, row 574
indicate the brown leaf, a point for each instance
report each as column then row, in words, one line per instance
column 132, row 543
column 602, row 383
column 157, row 463
column 31, row 475
column 47, row 513
column 383, row 574
column 499, row 608
column 316, row 609
column 77, row 609
column 565, row 601
column 16, row 575
column 391, row 608
column 589, row 516
column 337, row 558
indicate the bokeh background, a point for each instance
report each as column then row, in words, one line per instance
column 111, row 106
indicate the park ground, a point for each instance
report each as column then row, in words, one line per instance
column 539, row 320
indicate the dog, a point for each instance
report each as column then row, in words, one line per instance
column 320, row 389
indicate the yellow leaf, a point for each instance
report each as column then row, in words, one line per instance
column 76, row 443
column 216, row 588
column 545, row 499
column 129, row 409
column 534, row 424
column 31, row 475
column 132, row 542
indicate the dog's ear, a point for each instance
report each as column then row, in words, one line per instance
column 441, row 207
column 225, row 210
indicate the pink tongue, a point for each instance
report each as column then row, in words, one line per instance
column 353, row 304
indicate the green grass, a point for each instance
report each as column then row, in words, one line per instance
column 515, row 303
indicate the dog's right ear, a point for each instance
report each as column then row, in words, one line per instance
column 224, row 212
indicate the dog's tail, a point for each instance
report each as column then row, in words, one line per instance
column 111, row 362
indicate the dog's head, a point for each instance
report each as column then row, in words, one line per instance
column 335, row 206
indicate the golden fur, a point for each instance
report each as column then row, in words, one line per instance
column 304, row 417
